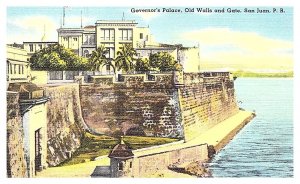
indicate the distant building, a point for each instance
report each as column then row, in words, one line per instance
column 18, row 69
column 88, row 41
column 112, row 34
column 32, row 47
column 71, row 38
column 146, row 52
column 189, row 57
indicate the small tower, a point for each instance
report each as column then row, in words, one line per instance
column 121, row 158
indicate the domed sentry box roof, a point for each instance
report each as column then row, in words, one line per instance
column 121, row 151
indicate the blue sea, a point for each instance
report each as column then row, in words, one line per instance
column 264, row 147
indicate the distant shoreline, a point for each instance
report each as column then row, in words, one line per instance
column 242, row 74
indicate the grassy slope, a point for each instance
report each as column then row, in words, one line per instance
column 94, row 146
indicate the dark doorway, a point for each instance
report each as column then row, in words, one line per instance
column 38, row 155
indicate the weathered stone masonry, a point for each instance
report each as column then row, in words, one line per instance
column 160, row 107
column 206, row 99
column 65, row 124
column 147, row 165
column 16, row 163
column 108, row 106
column 65, row 128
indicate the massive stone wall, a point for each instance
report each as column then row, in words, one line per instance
column 206, row 99
column 110, row 107
column 16, row 163
column 159, row 107
column 65, row 125
column 147, row 165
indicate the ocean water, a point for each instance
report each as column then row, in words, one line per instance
column 264, row 147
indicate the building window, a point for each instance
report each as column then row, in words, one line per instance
column 86, row 38
column 120, row 166
column 15, row 68
column 22, row 69
column 107, row 68
column 126, row 34
column 30, row 47
column 75, row 39
column 65, row 38
column 86, row 53
column 107, row 34
column 40, row 45
column 92, row 39
column 130, row 164
column 11, row 68
column 19, row 69
column 141, row 35
column 111, row 53
column 89, row 39
column 7, row 67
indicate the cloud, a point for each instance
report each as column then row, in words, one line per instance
column 221, row 47
column 74, row 21
column 147, row 16
column 31, row 28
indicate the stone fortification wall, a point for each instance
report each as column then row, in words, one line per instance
column 206, row 99
column 134, row 106
column 64, row 120
column 147, row 165
column 16, row 163
column 159, row 107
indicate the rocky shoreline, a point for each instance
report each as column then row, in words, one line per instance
column 196, row 168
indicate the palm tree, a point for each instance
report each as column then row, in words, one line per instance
column 125, row 58
column 98, row 59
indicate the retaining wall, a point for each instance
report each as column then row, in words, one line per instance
column 159, row 107
column 110, row 107
column 16, row 163
column 64, row 120
column 206, row 99
column 147, row 165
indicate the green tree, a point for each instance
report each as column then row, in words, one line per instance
column 125, row 58
column 163, row 61
column 56, row 57
column 142, row 65
column 98, row 59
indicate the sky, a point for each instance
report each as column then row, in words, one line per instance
column 260, row 42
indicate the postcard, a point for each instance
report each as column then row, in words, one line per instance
column 149, row 92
